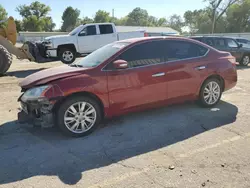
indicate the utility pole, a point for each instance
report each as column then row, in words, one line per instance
column 113, row 13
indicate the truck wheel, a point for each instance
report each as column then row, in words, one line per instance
column 5, row 60
column 67, row 56
column 78, row 116
column 245, row 60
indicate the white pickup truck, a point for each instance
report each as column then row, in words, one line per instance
column 84, row 39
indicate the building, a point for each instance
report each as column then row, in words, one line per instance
column 151, row 31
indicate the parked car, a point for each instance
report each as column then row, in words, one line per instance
column 83, row 40
column 126, row 76
column 227, row 44
column 243, row 41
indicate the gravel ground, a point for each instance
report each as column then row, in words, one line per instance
column 177, row 146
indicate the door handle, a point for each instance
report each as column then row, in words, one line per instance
column 200, row 67
column 159, row 74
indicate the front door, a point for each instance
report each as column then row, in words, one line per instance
column 234, row 48
column 144, row 82
column 87, row 39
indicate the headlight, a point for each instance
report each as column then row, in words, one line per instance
column 34, row 93
column 48, row 43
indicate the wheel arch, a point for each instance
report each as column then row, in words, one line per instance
column 82, row 93
column 216, row 76
column 66, row 46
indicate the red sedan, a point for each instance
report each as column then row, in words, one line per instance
column 123, row 77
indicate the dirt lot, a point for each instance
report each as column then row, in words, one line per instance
column 207, row 147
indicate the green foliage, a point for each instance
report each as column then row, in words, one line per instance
column 175, row 22
column 70, row 19
column 102, row 16
column 138, row 17
column 35, row 17
column 3, row 16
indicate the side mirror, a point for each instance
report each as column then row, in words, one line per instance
column 82, row 33
column 240, row 45
column 120, row 64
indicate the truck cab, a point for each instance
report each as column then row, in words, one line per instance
column 84, row 39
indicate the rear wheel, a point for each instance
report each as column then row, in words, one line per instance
column 67, row 56
column 78, row 116
column 210, row 93
column 245, row 60
column 5, row 60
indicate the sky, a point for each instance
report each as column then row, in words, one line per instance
column 157, row 8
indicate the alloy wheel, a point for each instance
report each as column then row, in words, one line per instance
column 211, row 92
column 246, row 60
column 80, row 117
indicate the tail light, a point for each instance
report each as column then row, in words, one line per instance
column 145, row 34
column 233, row 61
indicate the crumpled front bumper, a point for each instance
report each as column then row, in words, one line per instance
column 38, row 113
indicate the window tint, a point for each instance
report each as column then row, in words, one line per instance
column 209, row 41
column 219, row 42
column 177, row 50
column 87, row 31
column 106, row 29
column 144, row 54
column 231, row 43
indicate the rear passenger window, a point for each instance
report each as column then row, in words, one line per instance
column 106, row 29
column 219, row 42
column 178, row 50
column 145, row 54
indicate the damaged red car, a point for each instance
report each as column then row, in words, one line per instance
column 126, row 76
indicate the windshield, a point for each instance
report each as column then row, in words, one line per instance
column 102, row 54
column 75, row 31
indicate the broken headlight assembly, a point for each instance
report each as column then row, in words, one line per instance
column 36, row 93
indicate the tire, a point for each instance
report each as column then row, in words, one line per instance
column 67, row 56
column 204, row 96
column 245, row 60
column 5, row 60
column 73, row 126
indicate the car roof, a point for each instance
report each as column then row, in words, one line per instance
column 135, row 40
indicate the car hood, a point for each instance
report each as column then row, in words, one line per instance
column 56, row 36
column 48, row 75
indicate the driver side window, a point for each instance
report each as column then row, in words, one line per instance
column 231, row 43
column 88, row 31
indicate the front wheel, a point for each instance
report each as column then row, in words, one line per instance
column 210, row 92
column 245, row 60
column 67, row 56
column 78, row 116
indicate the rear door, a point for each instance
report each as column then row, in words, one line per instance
column 87, row 39
column 145, row 80
column 106, row 35
column 220, row 44
column 186, row 66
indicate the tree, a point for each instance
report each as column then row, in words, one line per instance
column 102, row 16
column 3, row 16
column 162, row 22
column 152, row 21
column 175, row 22
column 197, row 21
column 35, row 17
column 218, row 9
column 70, row 18
column 238, row 17
column 138, row 17
column 86, row 20
column 19, row 25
